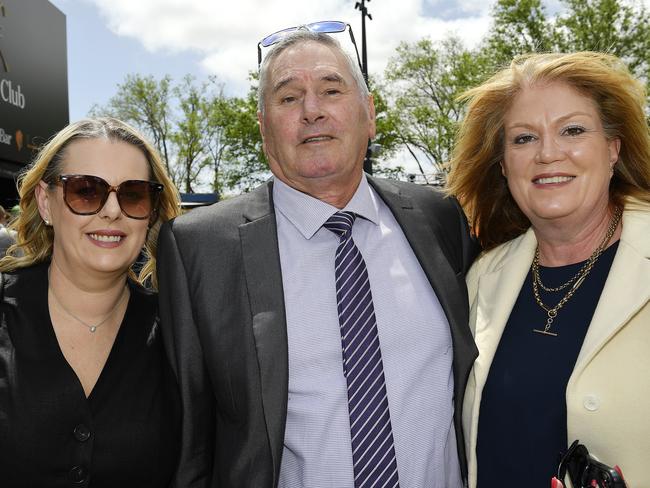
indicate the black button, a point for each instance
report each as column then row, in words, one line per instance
column 81, row 433
column 78, row 474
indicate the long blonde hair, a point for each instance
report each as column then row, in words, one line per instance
column 476, row 178
column 35, row 240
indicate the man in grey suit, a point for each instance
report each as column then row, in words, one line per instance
column 318, row 326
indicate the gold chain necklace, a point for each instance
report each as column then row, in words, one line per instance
column 589, row 263
column 92, row 328
column 577, row 280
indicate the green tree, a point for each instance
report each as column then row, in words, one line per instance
column 204, row 136
column 423, row 81
column 216, row 138
column 615, row 26
column 144, row 102
column 191, row 133
column 386, row 143
column 620, row 28
column 518, row 26
column 246, row 165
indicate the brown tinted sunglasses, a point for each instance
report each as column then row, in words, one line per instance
column 87, row 195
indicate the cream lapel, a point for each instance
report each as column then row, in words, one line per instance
column 497, row 290
column 496, row 295
column 627, row 288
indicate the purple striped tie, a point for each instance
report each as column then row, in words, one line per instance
column 373, row 454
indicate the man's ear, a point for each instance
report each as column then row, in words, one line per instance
column 372, row 127
column 260, row 123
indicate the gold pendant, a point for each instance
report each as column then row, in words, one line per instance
column 545, row 332
column 552, row 313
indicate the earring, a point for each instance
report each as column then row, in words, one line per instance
column 47, row 222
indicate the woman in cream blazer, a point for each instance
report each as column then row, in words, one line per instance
column 552, row 166
column 608, row 395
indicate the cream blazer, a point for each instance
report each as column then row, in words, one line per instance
column 608, row 394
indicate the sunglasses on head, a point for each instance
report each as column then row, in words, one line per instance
column 87, row 195
column 324, row 26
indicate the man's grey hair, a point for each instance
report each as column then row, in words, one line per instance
column 302, row 36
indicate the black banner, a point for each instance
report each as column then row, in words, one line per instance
column 33, row 78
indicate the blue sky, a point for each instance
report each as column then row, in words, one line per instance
column 108, row 39
column 99, row 59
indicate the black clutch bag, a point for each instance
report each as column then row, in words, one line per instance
column 586, row 472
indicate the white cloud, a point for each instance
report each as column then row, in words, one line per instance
column 225, row 34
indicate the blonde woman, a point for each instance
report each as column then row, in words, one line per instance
column 552, row 165
column 86, row 395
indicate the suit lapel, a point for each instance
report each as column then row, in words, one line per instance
column 626, row 290
column 425, row 245
column 496, row 295
column 261, row 261
column 447, row 286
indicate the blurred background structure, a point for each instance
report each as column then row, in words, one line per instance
column 33, row 84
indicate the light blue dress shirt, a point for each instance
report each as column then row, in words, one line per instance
column 415, row 340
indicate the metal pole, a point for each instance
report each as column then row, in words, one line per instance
column 364, row 51
column 361, row 5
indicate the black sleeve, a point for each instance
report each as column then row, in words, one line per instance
column 183, row 347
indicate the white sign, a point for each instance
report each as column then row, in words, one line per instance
column 4, row 137
column 12, row 95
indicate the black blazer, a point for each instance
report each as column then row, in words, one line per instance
column 223, row 318
column 126, row 433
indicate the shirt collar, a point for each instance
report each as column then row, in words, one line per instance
column 308, row 214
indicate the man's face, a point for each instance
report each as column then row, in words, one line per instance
column 315, row 123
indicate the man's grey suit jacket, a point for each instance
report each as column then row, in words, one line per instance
column 223, row 320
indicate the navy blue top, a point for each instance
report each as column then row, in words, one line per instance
column 522, row 421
